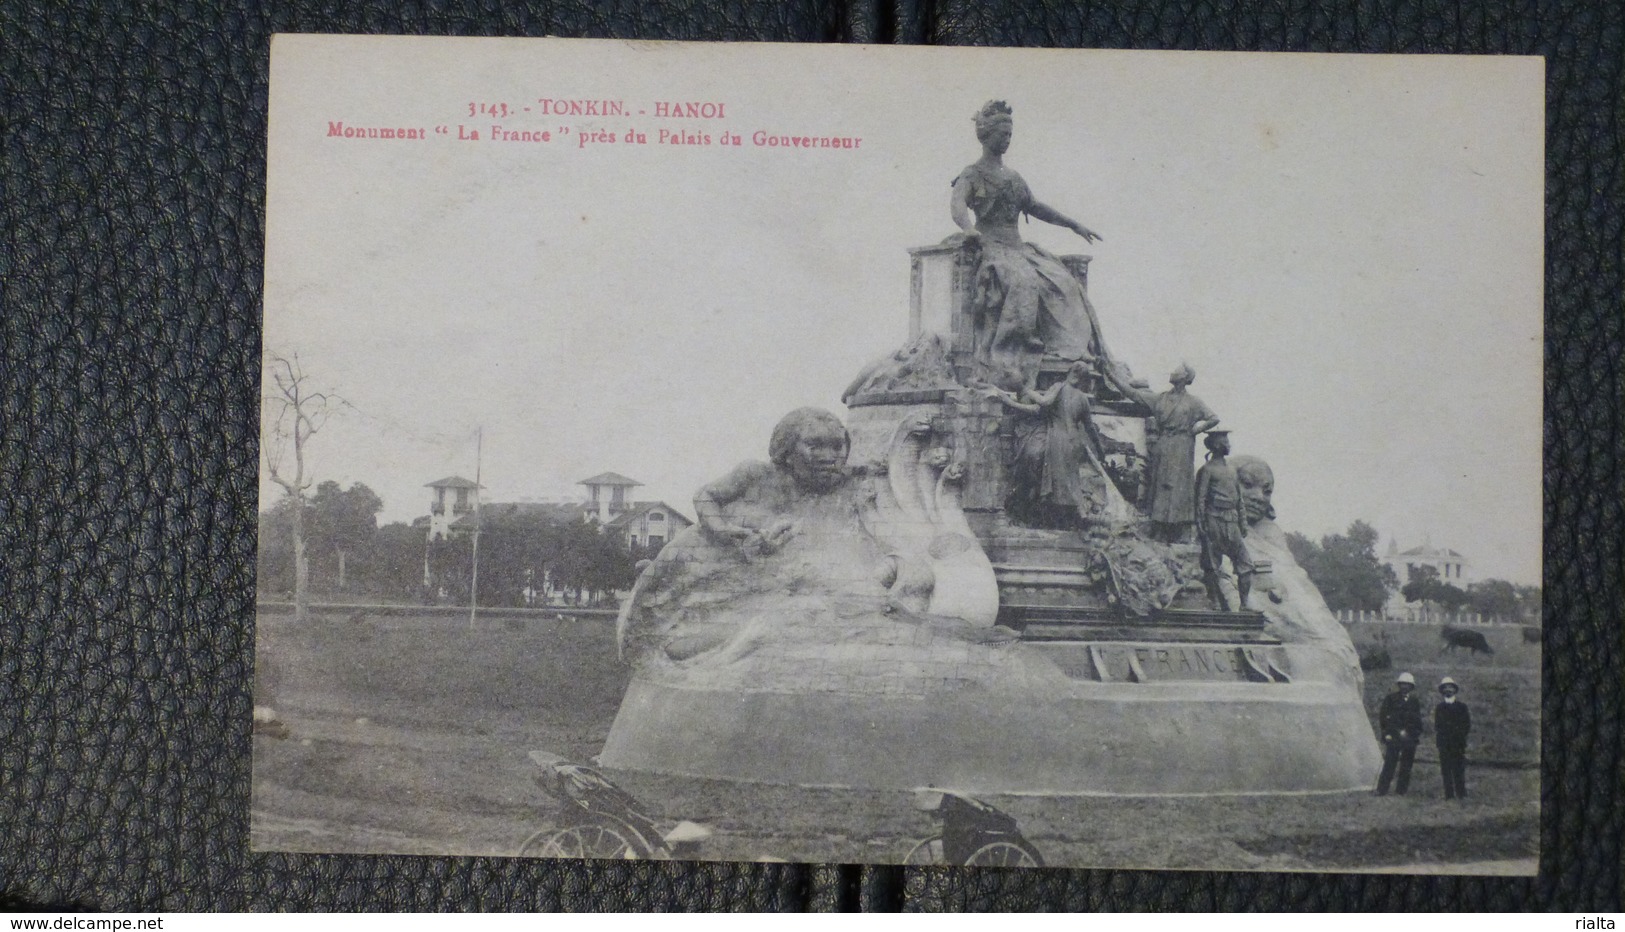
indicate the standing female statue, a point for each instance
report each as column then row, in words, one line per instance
column 1056, row 476
column 1027, row 303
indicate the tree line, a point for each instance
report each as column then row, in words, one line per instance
column 328, row 542
column 522, row 559
column 1347, row 571
column 525, row 558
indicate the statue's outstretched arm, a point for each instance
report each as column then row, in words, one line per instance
column 1009, row 400
column 1045, row 398
column 1038, row 210
column 1120, row 379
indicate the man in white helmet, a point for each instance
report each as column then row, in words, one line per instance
column 1400, row 719
column 1451, row 722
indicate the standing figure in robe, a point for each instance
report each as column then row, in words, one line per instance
column 1177, row 416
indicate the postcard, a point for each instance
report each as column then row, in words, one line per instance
column 928, row 456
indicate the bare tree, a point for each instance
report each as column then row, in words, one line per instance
column 294, row 413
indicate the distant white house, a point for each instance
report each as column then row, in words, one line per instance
column 1452, row 567
column 451, row 510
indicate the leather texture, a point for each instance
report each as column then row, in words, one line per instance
column 130, row 279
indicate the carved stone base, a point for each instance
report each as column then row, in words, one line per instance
column 1065, row 736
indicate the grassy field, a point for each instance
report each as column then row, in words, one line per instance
column 1502, row 690
column 408, row 734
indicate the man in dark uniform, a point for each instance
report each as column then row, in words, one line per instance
column 1451, row 722
column 1400, row 719
column 1221, row 523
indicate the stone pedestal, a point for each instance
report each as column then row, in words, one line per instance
column 942, row 281
column 1060, row 733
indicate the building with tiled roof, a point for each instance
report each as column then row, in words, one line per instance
column 647, row 524
column 606, row 492
column 609, row 478
column 456, row 511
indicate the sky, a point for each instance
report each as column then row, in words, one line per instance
column 1347, row 249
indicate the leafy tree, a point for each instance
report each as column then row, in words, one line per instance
column 1345, row 568
column 519, row 551
column 1425, row 585
column 1452, row 598
column 394, row 563
column 343, row 523
column 610, row 568
column 1422, row 581
column 275, row 562
column 1529, row 601
column 1497, row 598
column 1494, row 598
column 590, row 562
column 450, row 561
column 516, row 552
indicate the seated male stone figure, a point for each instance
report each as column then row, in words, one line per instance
column 789, row 557
column 790, row 524
column 749, row 506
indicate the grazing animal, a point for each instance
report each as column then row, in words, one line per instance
column 1531, row 634
column 1461, row 637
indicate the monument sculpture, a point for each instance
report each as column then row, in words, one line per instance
column 963, row 586
column 1177, row 416
column 1057, row 475
column 1221, row 526
column 1027, row 303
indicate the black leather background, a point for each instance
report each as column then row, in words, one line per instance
column 130, row 275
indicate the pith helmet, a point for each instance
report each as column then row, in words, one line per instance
column 1406, row 678
column 1447, row 681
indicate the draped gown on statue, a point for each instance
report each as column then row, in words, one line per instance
column 1027, row 301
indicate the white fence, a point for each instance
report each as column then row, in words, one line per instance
column 1423, row 616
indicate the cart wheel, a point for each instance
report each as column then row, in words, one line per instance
column 1005, row 854
column 926, row 852
column 532, row 846
column 583, row 841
